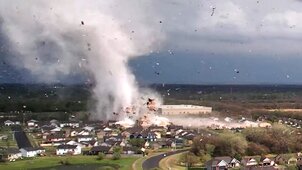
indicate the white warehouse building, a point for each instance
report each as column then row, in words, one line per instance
column 183, row 109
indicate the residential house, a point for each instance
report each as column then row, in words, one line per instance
column 216, row 164
column 222, row 163
column 74, row 133
column 84, row 132
column 72, row 142
column 265, row 161
column 9, row 123
column 72, row 124
column 90, row 143
column 101, row 149
column 129, row 150
column 68, row 149
column 55, row 137
column 149, row 136
column 285, row 159
column 85, row 138
column 249, row 161
column 32, row 123
column 12, row 154
column 89, row 128
column 32, row 152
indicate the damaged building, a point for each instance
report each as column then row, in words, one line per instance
column 183, row 109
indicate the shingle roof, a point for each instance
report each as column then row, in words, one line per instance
column 66, row 146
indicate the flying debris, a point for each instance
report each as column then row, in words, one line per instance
column 82, row 22
column 213, row 11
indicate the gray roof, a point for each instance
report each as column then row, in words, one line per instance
column 66, row 146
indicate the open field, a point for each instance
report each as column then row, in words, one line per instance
column 48, row 162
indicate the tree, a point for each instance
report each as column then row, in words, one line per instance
column 101, row 156
column 117, row 153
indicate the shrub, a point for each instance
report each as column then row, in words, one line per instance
column 100, row 156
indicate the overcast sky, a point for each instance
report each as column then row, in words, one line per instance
column 203, row 42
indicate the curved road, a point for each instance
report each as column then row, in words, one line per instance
column 153, row 162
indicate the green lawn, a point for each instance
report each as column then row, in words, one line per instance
column 52, row 161
column 4, row 130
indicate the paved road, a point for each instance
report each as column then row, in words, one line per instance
column 153, row 162
column 21, row 137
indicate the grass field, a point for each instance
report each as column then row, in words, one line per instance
column 170, row 163
column 4, row 130
column 48, row 162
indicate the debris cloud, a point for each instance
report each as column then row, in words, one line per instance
column 56, row 38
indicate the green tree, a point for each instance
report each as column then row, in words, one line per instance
column 117, row 153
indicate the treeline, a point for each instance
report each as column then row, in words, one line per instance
column 44, row 98
column 252, row 141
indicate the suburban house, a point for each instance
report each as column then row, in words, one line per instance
column 70, row 124
column 285, row 159
column 74, row 133
column 215, row 164
column 32, row 152
column 129, row 150
column 68, row 149
column 55, row 137
column 32, row 123
column 84, row 132
column 75, row 143
column 101, row 149
column 264, row 161
column 222, row 163
column 248, row 161
column 85, row 138
column 90, row 143
column 89, row 128
column 9, row 123
column 12, row 154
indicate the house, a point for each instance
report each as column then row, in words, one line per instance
column 9, row 123
column 129, row 150
column 32, row 152
column 113, row 138
column 55, row 137
column 32, row 123
column 84, row 132
column 149, row 136
column 12, row 154
column 75, row 143
column 101, row 149
column 74, row 133
column 248, row 161
column 265, row 161
column 88, row 128
column 90, row 143
column 85, row 138
column 56, row 129
column 216, row 164
column 70, row 124
column 222, row 163
column 68, row 149
column 285, row 159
